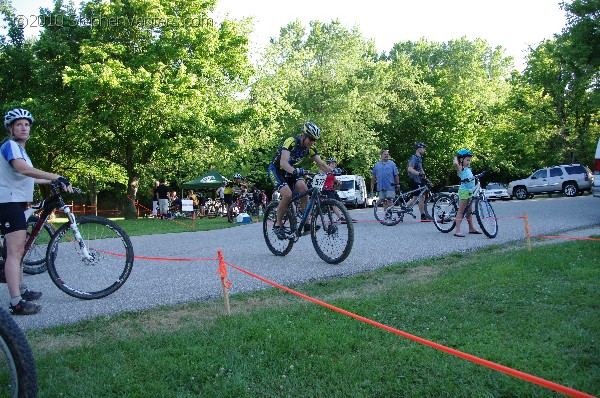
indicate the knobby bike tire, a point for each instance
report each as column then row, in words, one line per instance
column 279, row 247
column 444, row 213
column 387, row 216
column 333, row 240
column 17, row 366
column 103, row 274
column 34, row 261
column 486, row 218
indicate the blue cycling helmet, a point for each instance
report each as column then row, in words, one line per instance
column 463, row 153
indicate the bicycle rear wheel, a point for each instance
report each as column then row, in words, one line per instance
column 387, row 216
column 486, row 218
column 279, row 247
column 34, row 261
column 106, row 271
column 444, row 213
column 18, row 377
column 333, row 240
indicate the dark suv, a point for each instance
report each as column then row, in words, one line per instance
column 570, row 179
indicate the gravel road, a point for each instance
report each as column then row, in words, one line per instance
column 157, row 283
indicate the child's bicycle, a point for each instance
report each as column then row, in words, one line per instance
column 87, row 258
column 18, row 377
column 445, row 210
column 332, row 238
column 396, row 209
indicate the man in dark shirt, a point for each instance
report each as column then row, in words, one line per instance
column 162, row 194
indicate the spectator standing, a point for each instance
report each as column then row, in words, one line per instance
column 416, row 178
column 162, row 195
column 385, row 173
column 17, row 179
column 154, row 199
column 462, row 163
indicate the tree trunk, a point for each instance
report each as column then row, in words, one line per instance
column 132, row 188
column 93, row 188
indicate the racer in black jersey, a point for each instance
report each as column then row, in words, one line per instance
column 285, row 176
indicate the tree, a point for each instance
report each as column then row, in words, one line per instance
column 453, row 90
column 330, row 76
column 153, row 74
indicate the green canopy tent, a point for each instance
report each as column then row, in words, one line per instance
column 212, row 179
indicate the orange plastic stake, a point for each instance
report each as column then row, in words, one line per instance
column 222, row 270
column 527, row 231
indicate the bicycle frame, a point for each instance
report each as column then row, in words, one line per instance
column 48, row 205
column 314, row 197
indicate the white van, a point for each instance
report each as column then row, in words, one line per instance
column 596, row 186
column 353, row 190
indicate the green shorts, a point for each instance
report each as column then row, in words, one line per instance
column 464, row 194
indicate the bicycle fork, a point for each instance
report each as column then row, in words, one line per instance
column 73, row 225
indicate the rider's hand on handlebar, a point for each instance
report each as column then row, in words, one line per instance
column 65, row 184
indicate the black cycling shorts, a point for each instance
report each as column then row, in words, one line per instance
column 12, row 217
column 280, row 178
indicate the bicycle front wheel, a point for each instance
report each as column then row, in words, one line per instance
column 386, row 216
column 106, row 268
column 332, row 238
column 444, row 213
column 18, row 376
column 279, row 247
column 486, row 218
column 34, row 261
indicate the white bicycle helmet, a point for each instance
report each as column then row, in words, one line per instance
column 311, row 130
column 16, row 114
column 237, row 176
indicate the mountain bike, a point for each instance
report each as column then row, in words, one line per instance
column 445, row 210
column 88, row 258
column 18, row 376
column 397, row 208
column 34, row 260
column 331, row 238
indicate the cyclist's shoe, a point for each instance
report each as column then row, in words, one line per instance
column 426, row 217
column 280, row 232
column 30, row 295
column 342, row 220
column 25, row 308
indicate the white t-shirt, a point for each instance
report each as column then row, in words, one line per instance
column 14, row 186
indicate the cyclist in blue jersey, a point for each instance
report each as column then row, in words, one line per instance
column 285, row 177
column 17, row 177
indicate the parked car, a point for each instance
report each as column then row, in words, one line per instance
column 372, row 198
column 596, row 185
column 496, row 190
column 570, row 179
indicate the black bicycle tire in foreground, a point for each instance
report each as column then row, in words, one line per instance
column 325, row 230
column 105, row 272
column 17, row 367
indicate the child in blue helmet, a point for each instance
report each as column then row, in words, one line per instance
column 462, row 163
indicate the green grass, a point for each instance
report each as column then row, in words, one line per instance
column 537, row 312
column 151, row 226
